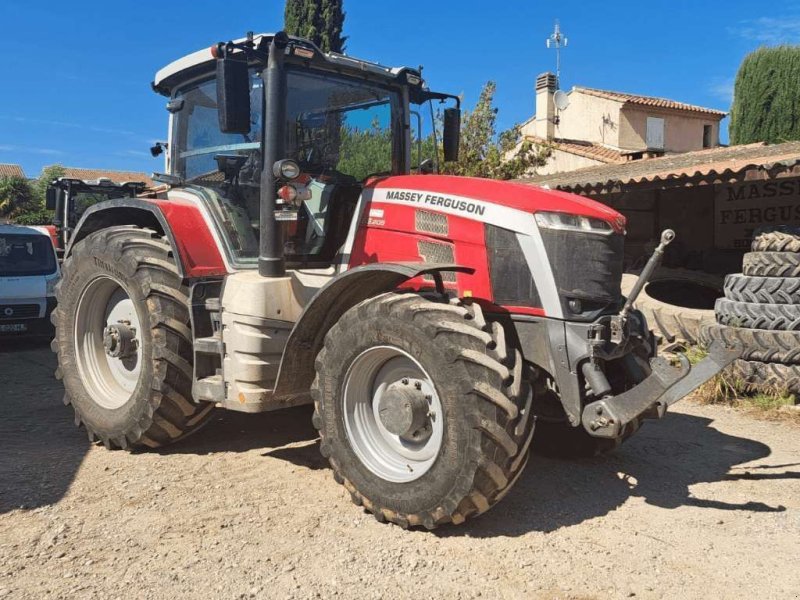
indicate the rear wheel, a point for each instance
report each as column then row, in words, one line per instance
column 423, row 411
column 124, row 341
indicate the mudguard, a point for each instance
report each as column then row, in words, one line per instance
column 326, row 307
column 183, row 224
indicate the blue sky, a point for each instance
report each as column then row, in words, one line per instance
column 75, row 76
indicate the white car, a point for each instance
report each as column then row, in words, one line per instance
column 28, row 275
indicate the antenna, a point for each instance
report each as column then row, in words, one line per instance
column 557, row 40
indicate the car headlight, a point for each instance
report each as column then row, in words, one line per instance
column 568, row 222
column 51, row 286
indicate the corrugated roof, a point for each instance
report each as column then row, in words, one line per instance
column 691, row 168
column 649, row 101
column 7, row 170
column 586, row 149
column 115, row 176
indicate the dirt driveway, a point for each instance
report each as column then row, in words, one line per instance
column 704, row 504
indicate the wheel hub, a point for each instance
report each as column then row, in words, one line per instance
column 404, row 409
column 119, row 340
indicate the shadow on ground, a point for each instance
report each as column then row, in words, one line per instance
column 41, row 451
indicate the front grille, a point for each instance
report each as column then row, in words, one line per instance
column 586, row 267
column 431, row 222
column 433, row 252
column 10, row 312
column 512, row 282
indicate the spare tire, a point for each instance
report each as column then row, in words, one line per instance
column 771, row 264
column 765, row 290
column 769, row 377
column 757, row 344
column 677, row 303
column 776, row 317
column 783, row 239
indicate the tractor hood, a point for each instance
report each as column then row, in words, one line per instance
column 502, row 203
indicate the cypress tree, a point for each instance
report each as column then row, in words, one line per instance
column 320, row 21
column 766, row 100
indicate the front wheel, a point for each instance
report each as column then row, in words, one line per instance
column 124, row 341
column 423, row 412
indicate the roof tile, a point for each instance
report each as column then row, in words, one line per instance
column 706, row 166
column 649, row 101
column 115, row 176
column 7, row 170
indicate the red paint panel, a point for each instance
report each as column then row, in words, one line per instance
column 520, row 196
column 197, row 248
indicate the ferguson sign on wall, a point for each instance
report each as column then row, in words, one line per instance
column 741, row 208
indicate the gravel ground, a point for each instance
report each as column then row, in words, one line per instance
column 704, row 504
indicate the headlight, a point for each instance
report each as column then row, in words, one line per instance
column 51, row 286
column 568, row 222
column 286, row 169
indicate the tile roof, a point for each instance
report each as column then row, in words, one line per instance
column 581, row 148
column 649, row 101
column 11, row 171
column 690, row 168
column 115, row 176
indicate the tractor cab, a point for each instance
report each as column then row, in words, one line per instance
column 70, row 198
column 340, row 122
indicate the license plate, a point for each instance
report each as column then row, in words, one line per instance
column 13, row 327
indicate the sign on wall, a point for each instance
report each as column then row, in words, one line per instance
column 741, row 208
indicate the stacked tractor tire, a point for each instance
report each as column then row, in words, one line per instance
column 761, row 310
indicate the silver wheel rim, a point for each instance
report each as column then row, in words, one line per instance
column 109, row 380
column 391, row 457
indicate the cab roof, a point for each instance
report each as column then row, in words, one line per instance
column 201, row 62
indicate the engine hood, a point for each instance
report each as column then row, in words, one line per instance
column 502, row 197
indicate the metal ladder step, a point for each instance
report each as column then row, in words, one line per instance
column 208, row 345
column 209, row 389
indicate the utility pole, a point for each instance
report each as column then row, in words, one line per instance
column 557, row 40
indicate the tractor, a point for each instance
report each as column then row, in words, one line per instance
column 70, row 198
column 439, row 325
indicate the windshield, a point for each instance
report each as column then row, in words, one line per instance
column 339, row 130
column 25, row 255
column 339, row 126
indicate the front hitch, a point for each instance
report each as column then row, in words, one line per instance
column 666, row 385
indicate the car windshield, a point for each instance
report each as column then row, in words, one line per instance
column 25, row 255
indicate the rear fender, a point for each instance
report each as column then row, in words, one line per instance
column 193, row 244
column 297, row 371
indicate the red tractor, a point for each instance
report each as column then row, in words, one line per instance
column 432, row 320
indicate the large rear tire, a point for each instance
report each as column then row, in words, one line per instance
column 454, row 462
column 124, row 341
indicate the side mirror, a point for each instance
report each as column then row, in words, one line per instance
column 233, row 95
column 51, row 198
column 451, row 134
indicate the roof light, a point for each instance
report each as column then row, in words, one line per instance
column 568, row 222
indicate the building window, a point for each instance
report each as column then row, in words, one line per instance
column 706, row 136
column 655, row 133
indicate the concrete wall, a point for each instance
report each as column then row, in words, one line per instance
column 590, row 119
column 560, row 161
column 682, row 133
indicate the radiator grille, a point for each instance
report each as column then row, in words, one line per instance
column 431, row 222
column 10, row 312
column 433, row 252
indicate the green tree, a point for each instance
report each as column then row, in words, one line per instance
column 16, row 195
column 766, row 99
column 321, row 21
column 47, row 175
column 485, row 154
